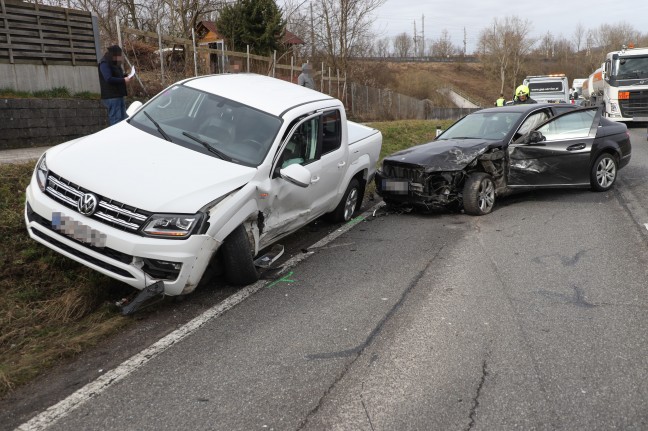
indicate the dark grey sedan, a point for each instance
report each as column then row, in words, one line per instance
column 494, row 151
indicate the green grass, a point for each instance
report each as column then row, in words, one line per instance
column 52, row 308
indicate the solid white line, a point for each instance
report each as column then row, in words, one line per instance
column 92, row 389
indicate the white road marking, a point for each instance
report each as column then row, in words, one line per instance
column 46, row 418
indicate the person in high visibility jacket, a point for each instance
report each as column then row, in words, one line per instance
column 522, row 96
column 500, row 101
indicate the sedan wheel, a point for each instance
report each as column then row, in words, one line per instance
column 479, row 194
column 604, row 173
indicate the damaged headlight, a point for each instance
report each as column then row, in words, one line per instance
column 172, row 225
column 41, row 173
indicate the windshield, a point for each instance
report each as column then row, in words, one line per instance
column 633, row 68
column 482, row 125
column 210, row 124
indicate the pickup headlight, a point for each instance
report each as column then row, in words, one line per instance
column 41, row 173
column 172, row 225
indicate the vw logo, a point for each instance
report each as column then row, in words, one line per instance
column 87, row 204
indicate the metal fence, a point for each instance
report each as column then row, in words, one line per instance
column 363, row 103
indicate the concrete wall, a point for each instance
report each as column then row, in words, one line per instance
column 38, row 77
column 40, row 122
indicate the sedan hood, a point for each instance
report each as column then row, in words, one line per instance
column 133, row 167
column 443, row 155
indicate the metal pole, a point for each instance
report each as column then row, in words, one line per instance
column 223, row 56
column 352, row 98
column 338, row 84
column 329, row 80
column 119, row 39
column 274, row 62
column 161, row 53
column 248, row 58
column 193, row 38
column 322, row 79
column 292, row 64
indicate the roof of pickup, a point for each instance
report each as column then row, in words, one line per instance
column 267, row 94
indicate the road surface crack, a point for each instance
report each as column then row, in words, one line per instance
column 475, row 406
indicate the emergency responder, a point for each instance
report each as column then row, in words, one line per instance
column 522, row 96
column 501, row 100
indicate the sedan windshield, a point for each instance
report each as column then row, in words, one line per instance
column 210, row 124
column 482, row 125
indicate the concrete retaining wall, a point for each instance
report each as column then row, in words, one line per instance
column 41, row 122
column 35, row 77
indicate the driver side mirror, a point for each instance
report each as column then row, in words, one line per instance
column 534, row 137
column 133, row 108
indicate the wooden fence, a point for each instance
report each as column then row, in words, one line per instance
column 37, row 34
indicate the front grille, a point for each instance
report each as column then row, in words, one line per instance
column 110, row 212
column 636, row 105
column 403, row 172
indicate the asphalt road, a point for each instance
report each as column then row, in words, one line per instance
column 533, row 317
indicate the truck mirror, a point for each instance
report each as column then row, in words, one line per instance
column 133, row 108
column 296, row 174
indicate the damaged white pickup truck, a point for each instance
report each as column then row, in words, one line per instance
column 213, row 170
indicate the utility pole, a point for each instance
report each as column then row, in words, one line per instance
column 415, row 40
column 464, row 53
column 422, row 35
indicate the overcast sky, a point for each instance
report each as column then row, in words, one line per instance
column 556, row 16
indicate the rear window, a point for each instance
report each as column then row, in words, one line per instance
column 545, row 87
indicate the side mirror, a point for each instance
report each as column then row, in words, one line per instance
column 535, row 138
column 296, row 174
column 133, row 108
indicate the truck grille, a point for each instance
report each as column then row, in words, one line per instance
column 110, row 212
column 636, row 105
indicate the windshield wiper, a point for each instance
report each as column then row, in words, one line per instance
column 159, row 128
column 211, row 149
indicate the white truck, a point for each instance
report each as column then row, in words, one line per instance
column 620, row 85
column 213, row 170
column 548, row 88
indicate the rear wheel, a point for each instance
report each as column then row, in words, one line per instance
column 350, row 203
column 479, row 194
column 603, row 173
column 237, row 258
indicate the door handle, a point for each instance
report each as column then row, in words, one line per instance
column 341, row 164
column 576, row 147
column 314, row 180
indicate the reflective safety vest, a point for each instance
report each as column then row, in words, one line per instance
column 500, row 101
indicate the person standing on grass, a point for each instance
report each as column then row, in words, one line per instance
column 305, row 79
column 112, row 81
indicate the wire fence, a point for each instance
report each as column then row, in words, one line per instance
column 178, row 58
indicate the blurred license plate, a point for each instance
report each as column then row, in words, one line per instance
column 77, row 230
column 396, row 186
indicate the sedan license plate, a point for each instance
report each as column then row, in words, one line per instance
column 75, row 229
column 396, row 186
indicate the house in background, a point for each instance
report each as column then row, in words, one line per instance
column 208, row 36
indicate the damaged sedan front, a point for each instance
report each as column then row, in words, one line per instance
column 463, row 167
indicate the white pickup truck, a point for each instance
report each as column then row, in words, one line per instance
column 213, row 170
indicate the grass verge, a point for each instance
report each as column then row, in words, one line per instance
column 52, row 308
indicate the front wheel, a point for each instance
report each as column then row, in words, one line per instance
column 603, row 173
column 237, row 258
column 350, row 203
column 479, row 194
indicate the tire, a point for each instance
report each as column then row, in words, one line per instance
column 237, row 258
column 479, row 194
column 604, row 171
column 349, row 204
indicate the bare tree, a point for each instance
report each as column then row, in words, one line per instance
column 403, row 45
column 505, row 46
column 382, row 47
column 578, row 37
column 344, row 28
column 443, row 47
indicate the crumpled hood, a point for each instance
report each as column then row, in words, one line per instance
column 442, row 155
column 133, row 167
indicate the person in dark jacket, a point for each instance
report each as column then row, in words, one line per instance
column 113, row 84
column 522, row 96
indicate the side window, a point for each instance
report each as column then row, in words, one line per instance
column 569, row 126
column 531, row 122
column 302, row 145
column 331, row 131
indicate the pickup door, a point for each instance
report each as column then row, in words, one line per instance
column 315, row 142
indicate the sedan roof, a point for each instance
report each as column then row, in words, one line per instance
column 524, row 108
column 267, row 94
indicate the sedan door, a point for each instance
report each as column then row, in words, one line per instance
column 561, row 157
